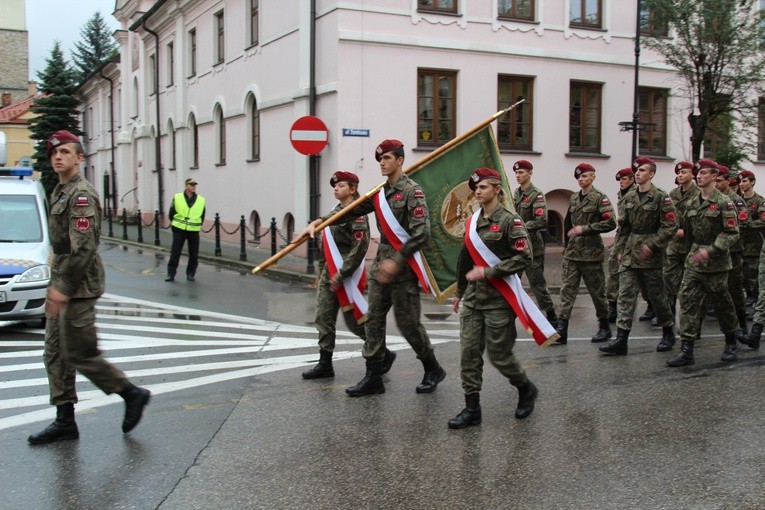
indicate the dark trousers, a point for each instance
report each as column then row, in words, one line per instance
column 180, row 237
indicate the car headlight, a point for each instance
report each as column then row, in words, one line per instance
column 35, row 274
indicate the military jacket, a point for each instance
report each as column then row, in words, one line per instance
column 407, row 203
column 352, row 240
column 505, row 235
column 743, row 219
column 648, row 221
column 751, row 231
column 682, row 200
column 531, row 206
column 596, row 215
column 74, row 227
column 712, row 224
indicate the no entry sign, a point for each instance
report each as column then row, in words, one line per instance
column 309, row 135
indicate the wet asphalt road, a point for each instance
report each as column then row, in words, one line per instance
column 607, row 433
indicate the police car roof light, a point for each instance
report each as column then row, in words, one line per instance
column 15, row 172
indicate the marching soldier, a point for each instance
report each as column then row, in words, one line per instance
column 683, row 197
column 531, row 205
column 347, row 242
column 751, row 234
column 712, row 227
column 626, row 179
column 590, row 214
column 647, row 224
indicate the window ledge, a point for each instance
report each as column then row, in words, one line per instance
column 436, row 11
column 194, row 167
column 529, row 152
column 597, row 155
column 220, row 164
column 253, row 160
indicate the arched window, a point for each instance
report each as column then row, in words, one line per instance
column 171, row 145
column 253, row 128
column 194, row 141
column 255, row 222
column 288, row 228
column 220, row 126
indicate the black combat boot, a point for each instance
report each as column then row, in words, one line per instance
column 684, row 357
column 371, row 384
column 604, row 331
column 648, row 314
column 612, row 312
column 62, row 429
column 731, row 347
column 753, row 338
column 323, row 369
column 552, row 317
column 390, row 357
column 667, row 339
column 527, row 395
column 434, row 374
column 617, row 346
column 469, row 416
column 135, row 400
column 562, row 330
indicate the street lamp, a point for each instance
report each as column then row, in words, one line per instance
column 634, row 124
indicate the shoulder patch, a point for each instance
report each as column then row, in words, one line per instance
column 729, row 205
column 418, row 212
column 606, row 215
column 606, row 201
column 360, row 219
column 743, row 216
column 670, row 216
column 730, row 222
column 517, row 223
column 418, row 193
column 82, row 201
column 539, row 211
column 82, row 224
column 667, row 201
column 359, row 235
column 520, row 244
column 540, row 198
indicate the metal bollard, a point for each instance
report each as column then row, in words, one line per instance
column 218, row 252
column 109, row 213
column 273, row 236
column 156, row 227
column 140, row 227
column 242, row 240
column 124, row 224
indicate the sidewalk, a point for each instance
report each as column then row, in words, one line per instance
column 290, row 267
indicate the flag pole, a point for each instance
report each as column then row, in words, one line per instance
column 371, row 193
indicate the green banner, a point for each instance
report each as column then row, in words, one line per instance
column 451, row 202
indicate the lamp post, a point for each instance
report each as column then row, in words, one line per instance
column 634, row 124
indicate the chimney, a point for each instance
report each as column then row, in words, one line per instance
column 6, row 99
column 32, row 88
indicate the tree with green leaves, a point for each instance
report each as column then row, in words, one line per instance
column 96, row 47
column 56, row 108
column 716, row 48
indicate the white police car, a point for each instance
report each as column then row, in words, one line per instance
column 24, row 246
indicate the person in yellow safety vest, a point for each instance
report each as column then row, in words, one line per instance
column 187, row 214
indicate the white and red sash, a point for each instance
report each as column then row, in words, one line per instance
column 397, row 237
column 351, row 293
column 510, row 287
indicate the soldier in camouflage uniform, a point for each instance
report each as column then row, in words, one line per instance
column 531, row 205
column 626, row 179
column 646, row 225
column 77, row 281
column 736, row 273
column 487, row 320
column 758, row 320
column 712, row 227
column 683, row 196
column 751, row 234
column 352, row 241
column 590, row 214
column 392, row 282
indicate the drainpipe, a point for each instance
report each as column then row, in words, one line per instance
column 313, row 162
column 111, row 133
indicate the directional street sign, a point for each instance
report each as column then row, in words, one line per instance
column 309, row 135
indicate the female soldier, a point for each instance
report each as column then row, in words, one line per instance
column 496, row 246
column 348, row 242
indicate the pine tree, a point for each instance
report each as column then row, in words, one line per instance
column 56, row 109
column 96, row 47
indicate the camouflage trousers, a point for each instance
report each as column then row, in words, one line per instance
column 630, row 281
column 674, row 267
column 759, row 307
column 535, row 273
column 612, row 279
column 736, row 286
column 71, row 343
column 594, row 278
column 492, row 330
column 327, row 306
column 751, row 275
column 693, row 291
column 404, row 297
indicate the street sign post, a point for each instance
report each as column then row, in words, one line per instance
column 309, row 135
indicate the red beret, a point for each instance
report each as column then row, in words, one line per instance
column 481, row 174
column 623, row 173
column 683, row 164
column 642, row 161
column 60, row 137
column 582, row 168
column 523, row 164
column 747, row 174
column 705, row 163
column 387, row 146
column 723, row 170
column 343, row 177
